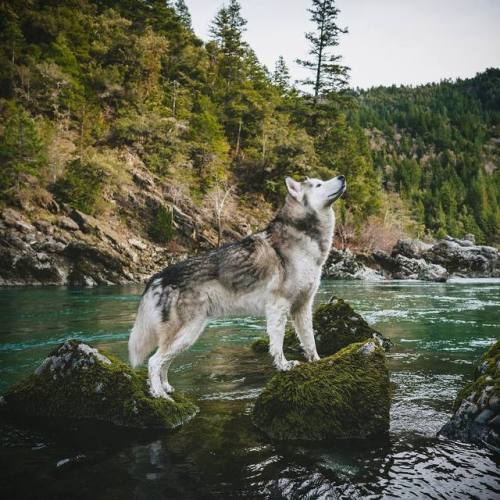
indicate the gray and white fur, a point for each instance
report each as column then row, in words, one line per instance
column 273, row 273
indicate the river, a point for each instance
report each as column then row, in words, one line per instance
column 439, row 331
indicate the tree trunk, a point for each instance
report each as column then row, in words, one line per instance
column 320, row 61
column 219, row 232
column 238, row 140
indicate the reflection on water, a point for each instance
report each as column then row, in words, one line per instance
column 439, row 331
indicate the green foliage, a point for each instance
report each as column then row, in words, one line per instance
column 21, row 150
column 281, row 76
column 155, row 138
column 132, row 75
column 161, row 228
column 432, row 144
column 329, row 74
column 82, row 184
column 183, row 13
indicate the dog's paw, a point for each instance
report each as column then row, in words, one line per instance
column 168, row 388
column 160, row 393
column 313, row 357
column 288, row 365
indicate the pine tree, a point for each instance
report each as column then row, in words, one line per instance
column 281, row 75
column 183, row 12
column 227, row 29
column 329, row 74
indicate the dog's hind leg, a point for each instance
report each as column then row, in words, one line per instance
column 155, row 364
column 170, row 346
column 302, row 322
column 276, row 316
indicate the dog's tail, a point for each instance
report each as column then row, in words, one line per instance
column 144, row 335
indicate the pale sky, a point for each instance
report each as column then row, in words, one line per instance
column 389, row 41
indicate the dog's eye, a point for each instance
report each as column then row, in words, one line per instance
column 318, row 185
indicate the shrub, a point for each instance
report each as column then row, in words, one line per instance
column 21, row 151
column 82, row 184
column 161, row 229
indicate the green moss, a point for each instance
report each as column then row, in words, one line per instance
column 261, row 345
column 346, row 395
column 336, row 325
column 486, row 374
column 82, row 383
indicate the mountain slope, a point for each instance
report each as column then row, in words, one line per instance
column 438, row 146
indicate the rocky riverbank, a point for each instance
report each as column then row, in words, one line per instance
column 476, row 417
column 47, row 243
column 43, row 242
column 414, row 259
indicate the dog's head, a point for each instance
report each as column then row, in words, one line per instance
column 316, row 194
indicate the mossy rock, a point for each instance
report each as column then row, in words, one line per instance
column 344, row 396
column 79, row 382
column 476, row 417
column 336, row 325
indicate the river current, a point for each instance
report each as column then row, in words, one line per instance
column 439, row 331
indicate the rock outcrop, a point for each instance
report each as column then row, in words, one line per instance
column 77, row 381
column 336, row 325
column 345, row 265
column 344, row 396
column 414, row 259
column 400, row 267
column 54, row 244
column 476, row 417
column 463, row 258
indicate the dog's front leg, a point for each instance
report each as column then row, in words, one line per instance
column 302, row 321
column 276, row 316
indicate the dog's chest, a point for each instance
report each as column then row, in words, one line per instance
column 304, row 270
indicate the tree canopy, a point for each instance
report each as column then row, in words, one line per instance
column 82, row 82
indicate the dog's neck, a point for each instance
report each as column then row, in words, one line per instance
column 295, row 225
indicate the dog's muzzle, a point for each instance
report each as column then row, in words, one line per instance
column 335, row 196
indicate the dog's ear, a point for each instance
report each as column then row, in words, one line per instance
column 293, row 187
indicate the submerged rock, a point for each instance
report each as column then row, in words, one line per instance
column 77, row 381
column 336, row 325
column 476, row 417
column 344, row 396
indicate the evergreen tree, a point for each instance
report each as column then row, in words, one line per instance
column 329, row 74
column 227, row 30
column 183, row 12
column 81, row 82
column 281, row 75
column 21, row 151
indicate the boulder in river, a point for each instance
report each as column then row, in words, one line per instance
column 465, row 259
column 336, row 325
column 79, row 382
column 344, row 396
column 476, row 417
column 345, row 265
column 401, row 267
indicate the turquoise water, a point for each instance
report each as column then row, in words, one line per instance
column 439, row 332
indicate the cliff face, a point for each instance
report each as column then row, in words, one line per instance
column 45, row 243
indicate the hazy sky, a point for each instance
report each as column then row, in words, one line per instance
column 389, row 41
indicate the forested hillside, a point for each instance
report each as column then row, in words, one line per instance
column 90, row 88
column 438, row 145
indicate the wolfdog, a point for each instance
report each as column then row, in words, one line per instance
column 272, row 273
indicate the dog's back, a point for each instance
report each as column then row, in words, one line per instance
column 225, row 281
